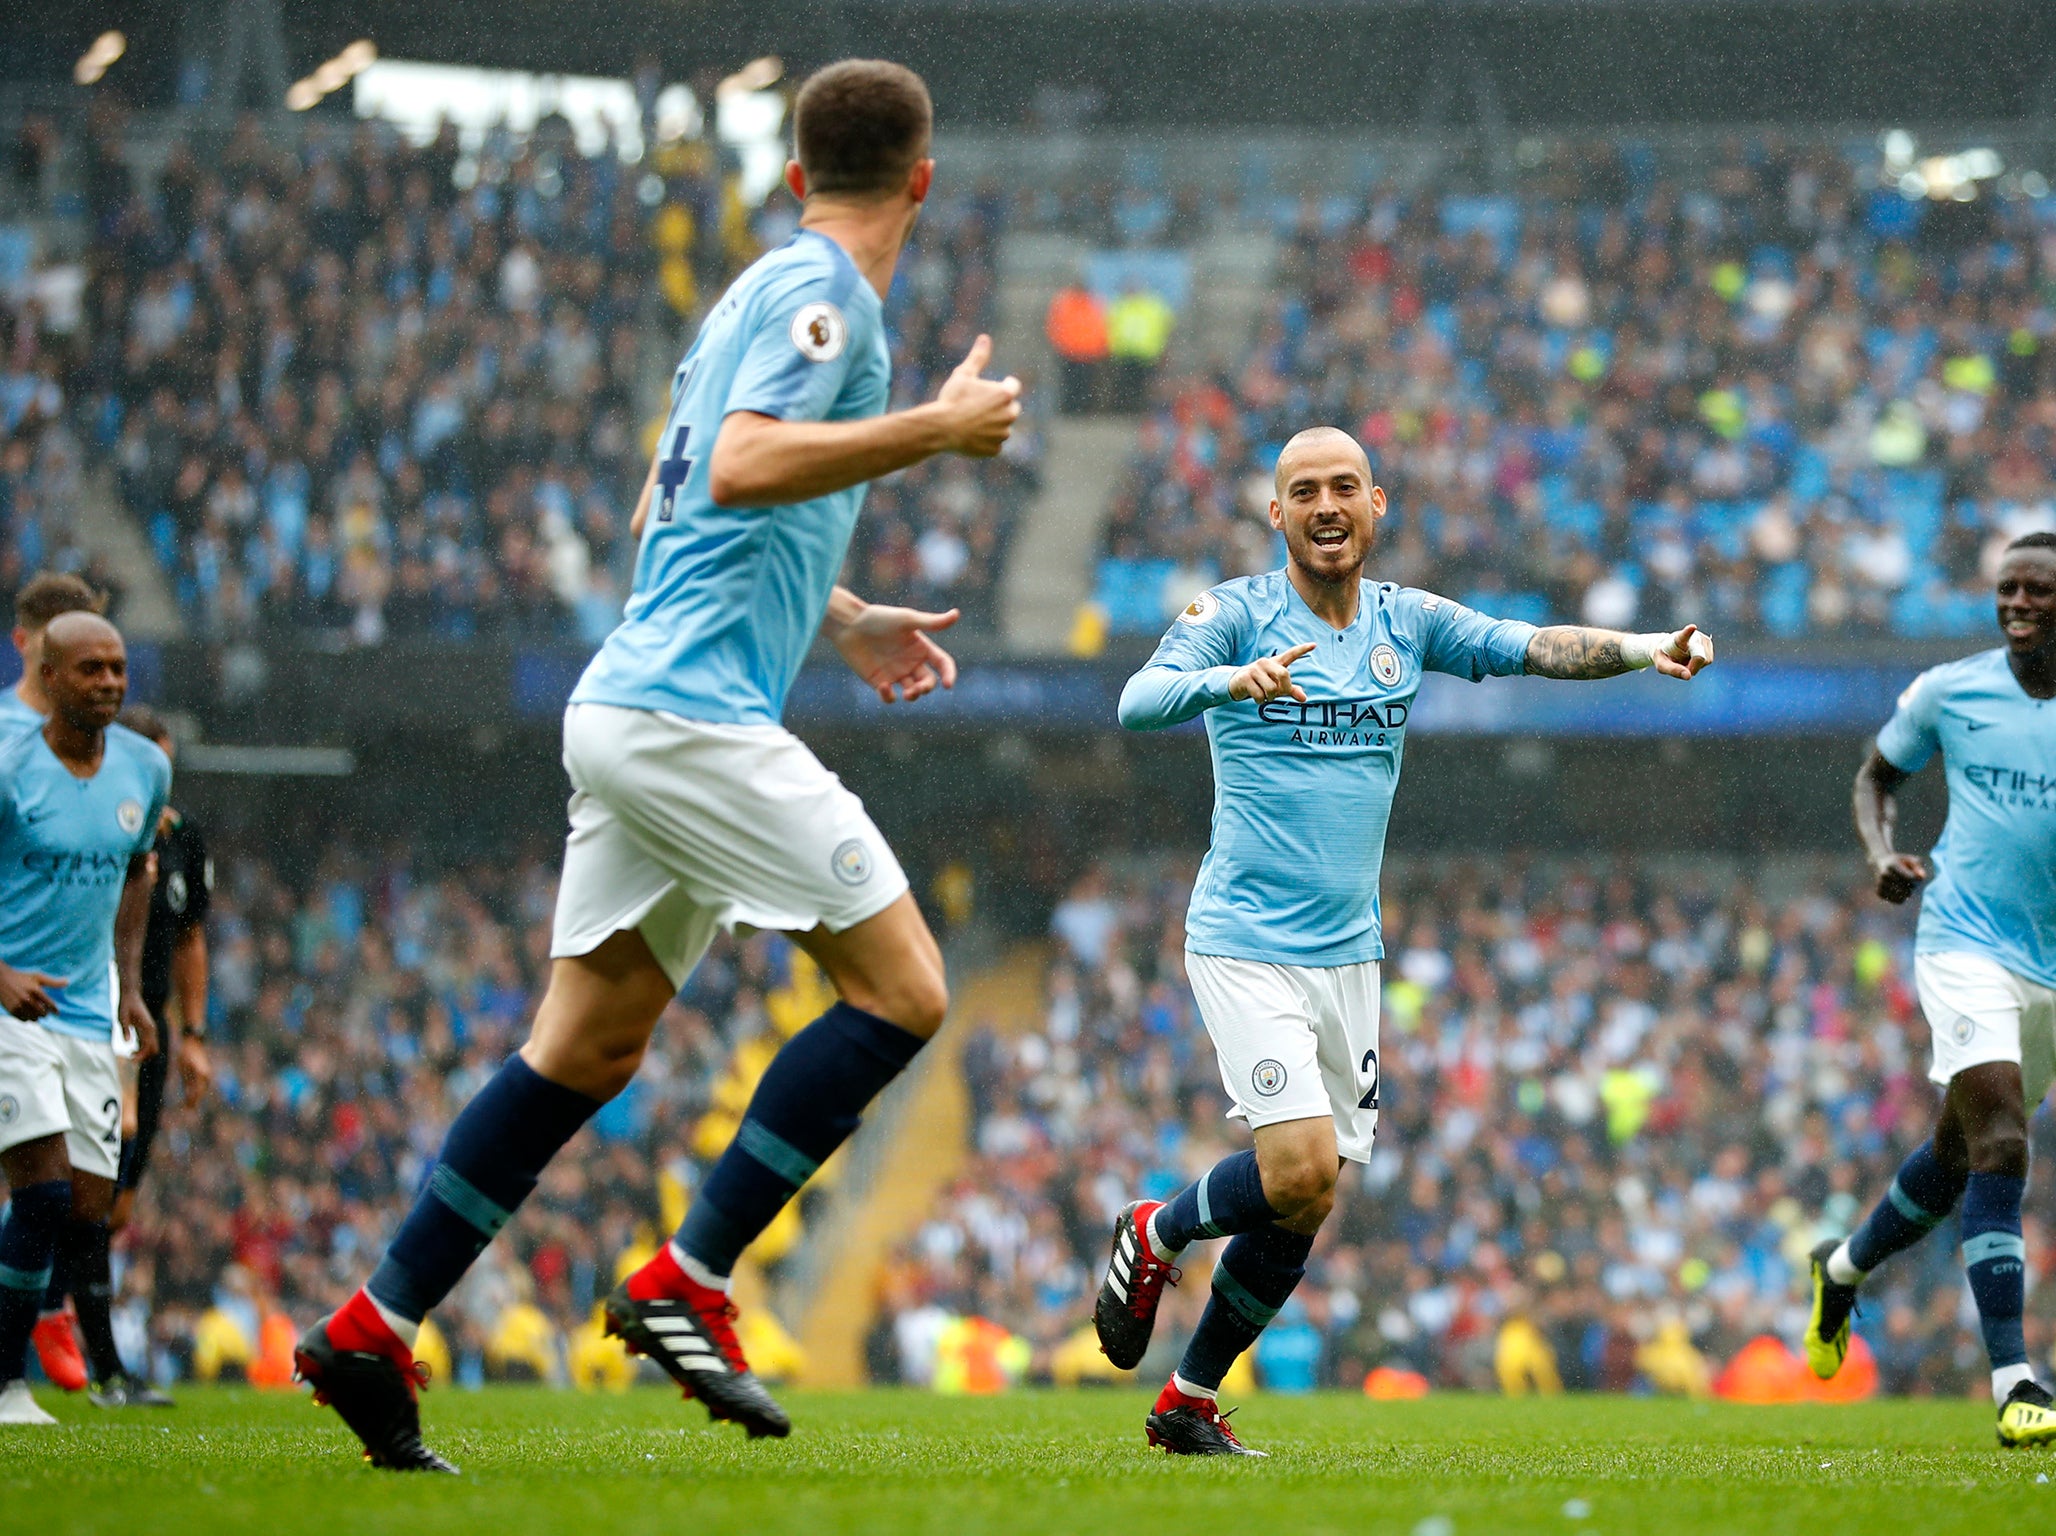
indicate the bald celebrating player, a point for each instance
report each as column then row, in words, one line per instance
column 1306, row 676
column 79, row 802
column 694, row 807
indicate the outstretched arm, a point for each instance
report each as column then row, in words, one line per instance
column 1160, row 695
column 1896, row 875
column 762, row 461
column 1572, row 651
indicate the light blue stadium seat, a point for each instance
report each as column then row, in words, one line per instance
column 1784, row 599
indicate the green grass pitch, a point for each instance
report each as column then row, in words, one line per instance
column 539, row 1461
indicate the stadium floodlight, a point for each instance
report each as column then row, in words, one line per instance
column 757, row 75
column 99, row 57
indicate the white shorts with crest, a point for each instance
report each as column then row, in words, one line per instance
column 682, row 827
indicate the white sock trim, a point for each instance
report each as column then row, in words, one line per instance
column 1841, row 1269
column 697, row 1272
column 2007, row 1377
column 405, row 1329
column 1156, row 1244
column 1193, row 1388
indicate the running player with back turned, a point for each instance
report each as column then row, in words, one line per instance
column 1306, row 677
column 1984, row 965
column 694, row 807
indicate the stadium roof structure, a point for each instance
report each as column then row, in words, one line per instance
column 1549, row 63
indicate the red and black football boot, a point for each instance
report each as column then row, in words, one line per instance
column 358, row 1367
column 1192, row 1426
column 1125, row 1313
column 689, row 1329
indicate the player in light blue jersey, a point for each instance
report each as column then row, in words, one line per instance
column 79, row 802
column 694, row 808
column 1306, row 677
column 42, row 598
column 1984, row 966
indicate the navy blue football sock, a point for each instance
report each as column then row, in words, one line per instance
column 1996, row 1260
column 812, row 1097
column 83, row 1263
column 1920, row 1199
column 496, row 1150
column 1257, row 1272
column 1227, row 1198
column 28, row 1245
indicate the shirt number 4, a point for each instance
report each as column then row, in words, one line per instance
column 672, row 473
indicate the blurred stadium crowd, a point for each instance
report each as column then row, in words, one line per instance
column 1619, row 1104
column 1781, row 399
column 356, row 1012
column 363, row 388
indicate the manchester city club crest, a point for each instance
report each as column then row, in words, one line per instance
column 129, row 815
column 10, row 1109
column 1268, row 1077
column 852, row 862
column 1385, row 664
column 820, row 332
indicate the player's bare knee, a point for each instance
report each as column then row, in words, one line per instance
column 1298, row 1185
column 1999, row 1149
column 917, row 1003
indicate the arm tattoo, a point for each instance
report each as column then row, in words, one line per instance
column 1572, row 651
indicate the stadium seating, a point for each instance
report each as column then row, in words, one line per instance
column 1769, row 397
column 1618, row 1106
column 359, row 389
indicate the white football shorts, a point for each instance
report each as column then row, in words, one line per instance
column 51, row 1083
column 683, row 827
column 1978, row 1011
column 1295, row 1042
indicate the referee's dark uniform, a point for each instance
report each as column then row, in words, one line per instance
column 178, row 904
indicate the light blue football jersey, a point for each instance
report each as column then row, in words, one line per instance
column 1994, row 890
column 65, row 847
column 15, row 715
column 727, row 600
column 1303, row 792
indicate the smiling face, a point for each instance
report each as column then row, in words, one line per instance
column 2026, row 591
column 1326, row 505
column 85, row 670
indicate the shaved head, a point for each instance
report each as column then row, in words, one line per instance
column 1317, row 443
column 84, row 671
column 69, row 631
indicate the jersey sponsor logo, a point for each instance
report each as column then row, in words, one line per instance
column 1385, row 664
column 820, row 332
column 1267, row 1077
column 1337, row 722
column 129, row 816
column 2019, row 788
column 76, row 868
column 1200, row 609
column 851, row 861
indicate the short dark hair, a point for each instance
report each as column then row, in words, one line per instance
column 858, row 126
column 49, row 593
column 2040, row 539
column 145, row 721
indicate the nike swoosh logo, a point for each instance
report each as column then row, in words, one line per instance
column 1978, row 725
